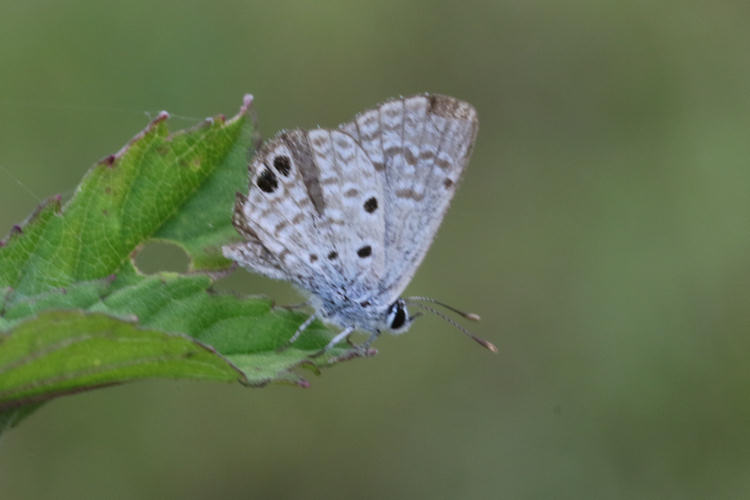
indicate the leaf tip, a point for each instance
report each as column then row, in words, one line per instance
column 245, row 109
column 247, row 101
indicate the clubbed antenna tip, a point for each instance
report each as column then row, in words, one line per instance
column 486, row 344
column 472, row 316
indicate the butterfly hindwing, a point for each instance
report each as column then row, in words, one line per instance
column 251, row 251
column 280, row 212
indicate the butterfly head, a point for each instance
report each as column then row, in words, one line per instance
column 397, row 318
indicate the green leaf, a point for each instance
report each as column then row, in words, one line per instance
column 75, row 312
column 154, row 187
column 61, row 352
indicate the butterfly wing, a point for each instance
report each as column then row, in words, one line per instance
column 350, row 189
column 278, row 218
column 418, row 146
column 252, row 252
column 307, row 217
column 350, row 213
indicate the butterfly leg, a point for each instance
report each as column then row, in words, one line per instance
column 335, row 340
column 363, row 347
column 301, row 328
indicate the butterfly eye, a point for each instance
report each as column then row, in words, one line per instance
column 397, row 315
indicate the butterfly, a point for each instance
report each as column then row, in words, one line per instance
column 348, row 214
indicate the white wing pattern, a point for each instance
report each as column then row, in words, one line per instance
column 349, row 213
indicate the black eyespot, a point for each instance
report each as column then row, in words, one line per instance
column 313, row 257
column 371, row 205
column 399, row 319
column 365, row 303
column 333, row 255
column 365, row 251
column 267, row 181
column 282, row 164
column 448, row 183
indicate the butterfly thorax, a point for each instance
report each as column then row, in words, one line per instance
column 342, row 310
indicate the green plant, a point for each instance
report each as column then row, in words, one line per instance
column 76, row 313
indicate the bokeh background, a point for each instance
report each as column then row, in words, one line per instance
column 602, row 230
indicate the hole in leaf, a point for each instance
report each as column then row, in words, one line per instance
column 157, row 256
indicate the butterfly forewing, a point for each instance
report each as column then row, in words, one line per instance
column 443, row 153
column 423, row 143
column 280, row 211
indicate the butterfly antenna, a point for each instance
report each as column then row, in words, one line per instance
column 471, row 316
column 484, row 343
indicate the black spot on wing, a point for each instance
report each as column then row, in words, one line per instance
column 371, row 205
column 282, row 164
column 267, row 181
column 365, row 251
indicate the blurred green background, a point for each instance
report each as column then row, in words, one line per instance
column 602, row 231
